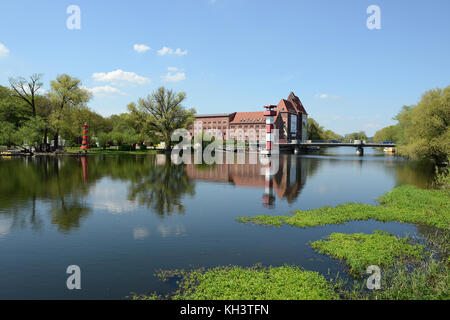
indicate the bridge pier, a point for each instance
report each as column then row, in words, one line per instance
column 360, row 151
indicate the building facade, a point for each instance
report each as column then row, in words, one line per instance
column 290, row 120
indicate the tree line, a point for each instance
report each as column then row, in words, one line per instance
column 422, row 130
column 40, row 120
column 318, row 132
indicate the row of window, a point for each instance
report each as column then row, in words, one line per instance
column 214, row 122
column 255, row 126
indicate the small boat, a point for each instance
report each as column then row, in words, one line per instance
column 389, row 149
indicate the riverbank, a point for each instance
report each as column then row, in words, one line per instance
column 408, row 270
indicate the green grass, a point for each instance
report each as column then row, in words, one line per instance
column 403, row 204
column 255, row 283
column 361, row 250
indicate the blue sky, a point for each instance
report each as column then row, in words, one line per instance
column 238, row 55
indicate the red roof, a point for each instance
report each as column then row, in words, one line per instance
column 249, row 117
column 286, row 106
column 298, row 105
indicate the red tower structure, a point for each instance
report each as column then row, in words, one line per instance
column 85, row 143
column 269, row 114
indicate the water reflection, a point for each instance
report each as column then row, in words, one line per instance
column 66, row 190
column 121, row 218
column 286, row 183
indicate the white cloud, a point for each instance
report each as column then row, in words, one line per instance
column 111, row 196
column 173, row 75
column 4, row 51
column 172, row 231
column 169, row 51
column 119, row 77
column 104, row 91
column 326, row 96
column 141, row 48
column 140, row 233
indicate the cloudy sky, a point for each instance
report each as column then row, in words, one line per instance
column 237, row 55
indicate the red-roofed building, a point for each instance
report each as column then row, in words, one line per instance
column 290, row 120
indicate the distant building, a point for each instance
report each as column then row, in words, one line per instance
column 291, row 121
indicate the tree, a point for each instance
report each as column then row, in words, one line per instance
column 13, row 109
column 8, row 134
column 31, row 133
column 117, row 138
column 103, row 140
column 315, row 131
column 386, row 134
column 163, row 113
column 27, row 89
column 65, row 92
column 361, row 135
column 425, row 127
column 404, row 124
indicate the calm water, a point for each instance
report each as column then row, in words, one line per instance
column 121, row 218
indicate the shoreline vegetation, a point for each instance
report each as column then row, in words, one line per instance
column 410, row 271
column 405, row 204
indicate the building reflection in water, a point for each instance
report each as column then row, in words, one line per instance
column 287, row 182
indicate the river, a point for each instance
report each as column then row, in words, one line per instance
column 122, row 218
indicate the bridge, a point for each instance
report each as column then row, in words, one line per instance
column 358, row 144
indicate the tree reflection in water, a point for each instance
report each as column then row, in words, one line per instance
column 162, row 187
column 56, row 189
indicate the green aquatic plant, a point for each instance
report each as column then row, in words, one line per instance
column 405, row 204
column 254, row 283
column 361, row 250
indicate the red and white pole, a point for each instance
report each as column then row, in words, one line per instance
column 85, row 143
column 269, row 114
column 268, row 197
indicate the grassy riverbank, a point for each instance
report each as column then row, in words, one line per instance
column 403, row 204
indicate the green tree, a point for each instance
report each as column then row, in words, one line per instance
column 315, row 131
column 404, row 124
column 386, row 134
column 67, row 94
column 361, row 135
column 103, row 140
column 12, row 109
column 425, row 127
column 31, row 133
column 117, row 138
column 8, row 134
column 162, row 112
